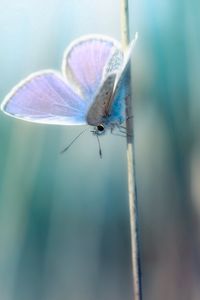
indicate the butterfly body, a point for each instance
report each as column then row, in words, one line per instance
column 91, row 89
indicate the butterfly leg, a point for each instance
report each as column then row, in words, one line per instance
column 118, row 134
column 129, row 117
column 112, row 130
column 123, row 129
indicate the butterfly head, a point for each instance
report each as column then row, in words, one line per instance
column 99, row 129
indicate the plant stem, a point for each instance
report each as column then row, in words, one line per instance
column 133, row 209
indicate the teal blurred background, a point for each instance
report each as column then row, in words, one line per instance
column 64, row 227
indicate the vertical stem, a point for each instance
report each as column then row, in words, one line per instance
column 133, row 209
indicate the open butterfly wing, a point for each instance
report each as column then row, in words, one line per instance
column 45, row 98
column 85, row 60
column 90, row 66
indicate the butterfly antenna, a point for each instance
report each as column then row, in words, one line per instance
column 100, row 152
column 65, row 149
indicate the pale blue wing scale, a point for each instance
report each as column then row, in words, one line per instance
column 45, row 98
column 85, row 61
column 114, row 64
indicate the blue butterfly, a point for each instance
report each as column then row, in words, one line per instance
column 91, row 89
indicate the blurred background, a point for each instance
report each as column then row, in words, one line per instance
column 64, row 219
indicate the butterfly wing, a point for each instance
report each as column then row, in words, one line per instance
column 90, row 65
column 121, row 88
column 85, row 60
column 109, row 105
column 45, row 98
column 114, row 63
column 98, row 110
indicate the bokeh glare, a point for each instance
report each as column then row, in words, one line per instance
column 64, row 227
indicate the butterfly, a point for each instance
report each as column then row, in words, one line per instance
column 90, row 90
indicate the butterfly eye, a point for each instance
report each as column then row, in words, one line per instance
column 100, row 128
